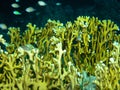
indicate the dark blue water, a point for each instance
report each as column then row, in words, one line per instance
column 67, row 11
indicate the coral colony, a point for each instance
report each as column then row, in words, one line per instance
column 79, row 55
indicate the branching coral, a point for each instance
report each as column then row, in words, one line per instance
column 108, row 77
column 61, row 57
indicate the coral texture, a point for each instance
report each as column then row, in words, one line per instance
column 79, row 55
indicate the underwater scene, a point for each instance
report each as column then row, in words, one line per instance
column 59, row 45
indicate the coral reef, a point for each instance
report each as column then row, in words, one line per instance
column 81, row 55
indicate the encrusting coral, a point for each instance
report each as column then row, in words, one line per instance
column 76, row 56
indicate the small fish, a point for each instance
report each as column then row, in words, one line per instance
column 15, row 5
column 16, row 0
column 58, row 4
column 30, row 9
column 17, row 13
column 42, row 3
column 3, row 26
